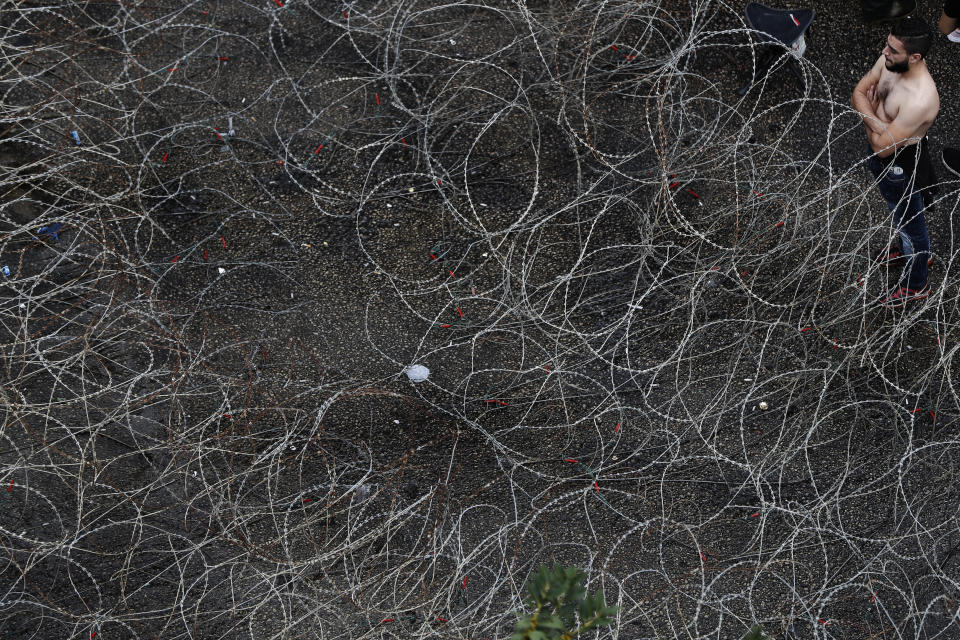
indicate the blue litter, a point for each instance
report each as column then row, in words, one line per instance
column 51, row 230
column 76, row 136
column 6, row 270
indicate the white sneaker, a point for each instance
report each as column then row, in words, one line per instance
column 954, row 36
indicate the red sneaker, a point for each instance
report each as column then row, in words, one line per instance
column 893, row 256
column 900, row 296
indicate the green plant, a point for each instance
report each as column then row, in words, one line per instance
column 559, row 600
column 756, row 633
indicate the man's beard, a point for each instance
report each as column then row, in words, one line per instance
column 898, row 67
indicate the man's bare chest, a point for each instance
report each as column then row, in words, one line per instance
column 890, row 95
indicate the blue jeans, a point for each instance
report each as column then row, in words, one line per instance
column 904, row 201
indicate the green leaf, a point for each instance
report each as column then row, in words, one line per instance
column 557, row 595
column 756, row 633
column 550, row 622
column 522, row 624
column 584, row 610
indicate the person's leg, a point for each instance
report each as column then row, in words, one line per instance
column 891, row 195
column 949, row 16
column 908, row 218
column 881, row 10
column 946, row 24
column 906, row 207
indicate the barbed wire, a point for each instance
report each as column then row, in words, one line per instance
column 647, row 306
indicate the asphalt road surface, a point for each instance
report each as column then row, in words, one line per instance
column 646, row 304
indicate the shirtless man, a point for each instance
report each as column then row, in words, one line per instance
column 898, row 101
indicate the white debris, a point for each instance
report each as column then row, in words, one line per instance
column 362, row 493
column 417, row 373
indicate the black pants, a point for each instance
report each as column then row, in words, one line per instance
column 886, row 9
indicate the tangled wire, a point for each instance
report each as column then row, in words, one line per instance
column 646, row 304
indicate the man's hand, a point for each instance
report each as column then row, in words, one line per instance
column 902, row 131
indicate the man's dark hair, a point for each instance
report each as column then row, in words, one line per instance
column 914, row 33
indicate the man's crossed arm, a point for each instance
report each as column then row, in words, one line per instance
column 885, row 138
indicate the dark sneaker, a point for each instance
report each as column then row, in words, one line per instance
column 886, row 10
column 951, row 160
column 893, row 256
column 900, row 296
